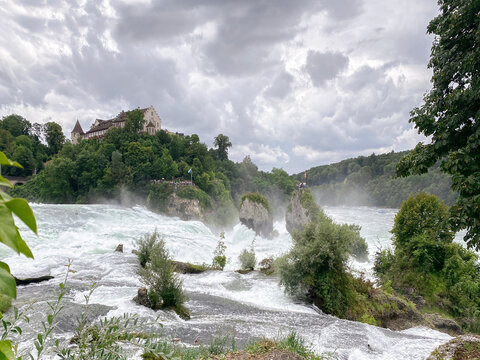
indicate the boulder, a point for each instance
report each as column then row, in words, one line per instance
column 142, row 298
column 119, row 248
column 443, row 324
column 185, row 209
column 461, row 347
column 256, row 216
column 301, row 210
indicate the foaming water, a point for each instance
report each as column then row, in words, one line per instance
column 251, row 305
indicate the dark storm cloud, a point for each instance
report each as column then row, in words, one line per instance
column 324, row 66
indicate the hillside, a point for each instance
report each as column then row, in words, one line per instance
column 368, row 180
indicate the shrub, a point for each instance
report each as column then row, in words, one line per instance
column 359, row 248
column 316, row 266
column 219, row 258
column 165, row 287
column 247, row 259
column 145, row 246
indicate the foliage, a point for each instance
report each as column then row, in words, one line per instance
column 315, row 267
column 247, row 259
column 158, row 196
column 259, row 199
column 219, row 257
column 55, row 137
column 367, row 180
column 292, row 343
column 165, row 287
column 5, row 302
column 422, row 214
column 222, row 142
column 451, row 112
column 308, row 203
column 426, row 260
column 359, row 247
column 190, row 192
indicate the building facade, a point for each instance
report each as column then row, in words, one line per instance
column 152, row 124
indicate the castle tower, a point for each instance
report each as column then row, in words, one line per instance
column 77, row 133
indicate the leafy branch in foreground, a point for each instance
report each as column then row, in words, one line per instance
column 10, row 236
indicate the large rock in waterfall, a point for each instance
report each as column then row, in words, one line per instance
column 185, row 209
column 301, row 210
column 256, row 214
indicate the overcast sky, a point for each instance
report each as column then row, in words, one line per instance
column 294, row 84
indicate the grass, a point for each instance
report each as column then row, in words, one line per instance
column 224, row 347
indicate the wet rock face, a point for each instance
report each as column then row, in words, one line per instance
column 185, row 209
column 254, row 216
column 296, row 216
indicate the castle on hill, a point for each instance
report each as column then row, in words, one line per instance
column 152, row 124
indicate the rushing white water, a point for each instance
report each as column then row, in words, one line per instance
column 251, row 305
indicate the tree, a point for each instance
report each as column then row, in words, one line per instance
column 16, row 125
column 134, row 121
column 451, row 112
column 222, row 142
column 55, row 137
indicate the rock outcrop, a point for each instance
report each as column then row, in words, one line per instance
column 462, row 347
column 256, row 215
column 185, row 209
column 298, row 213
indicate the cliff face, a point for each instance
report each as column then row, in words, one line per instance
column 256, row 217
column 185, row 209
column 296, row 216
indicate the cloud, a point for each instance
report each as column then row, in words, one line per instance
column 292, row 83
column 324, row 66
column 281, row 85
column 260, row 154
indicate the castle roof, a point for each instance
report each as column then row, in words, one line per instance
column 78, row 129
column 106, row 124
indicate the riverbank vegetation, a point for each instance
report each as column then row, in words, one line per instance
column 369, row 180
column 427, row 266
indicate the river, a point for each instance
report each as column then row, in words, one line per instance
column 221, row 303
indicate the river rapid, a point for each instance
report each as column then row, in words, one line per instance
column 221, row 303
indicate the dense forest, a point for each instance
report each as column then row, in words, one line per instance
column 369, row 180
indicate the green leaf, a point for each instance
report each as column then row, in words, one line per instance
column 5, row 182
column 24, row 212
column 23, row 247
column 6, row 351
column 8, row 286
column 4, row 266
column 6, row 161
column 8, row 230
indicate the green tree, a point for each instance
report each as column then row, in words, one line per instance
column 450, row 115
column 422, row 214
column 222, row 142
column 55, row 137
column 134, row 121
column 16, row 125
